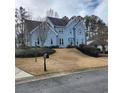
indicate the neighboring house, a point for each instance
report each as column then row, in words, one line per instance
column 55, row 32
column 95, row 42
column 97, row 45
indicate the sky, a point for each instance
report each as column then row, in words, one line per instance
column 68, row 8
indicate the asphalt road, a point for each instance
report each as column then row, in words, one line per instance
column 95, row 81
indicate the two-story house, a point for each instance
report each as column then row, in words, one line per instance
column 56, row 32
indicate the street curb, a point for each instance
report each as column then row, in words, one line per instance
column 52, row 75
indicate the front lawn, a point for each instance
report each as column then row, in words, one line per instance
column 64, row 60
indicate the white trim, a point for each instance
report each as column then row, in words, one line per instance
column 34, row 29
column 48, row 26
column 51, row 28
column 70, row 21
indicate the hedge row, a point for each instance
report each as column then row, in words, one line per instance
column 91, row 51
column 70, row 46
column 51, row 47
column 32, row 52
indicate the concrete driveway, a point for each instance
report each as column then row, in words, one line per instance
column 20, row 74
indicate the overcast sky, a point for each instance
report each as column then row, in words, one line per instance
column 66, row 7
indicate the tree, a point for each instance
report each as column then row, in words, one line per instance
column 20, row 15
column 42, row 32
column 39, row 18
column 91, row 24
column 52, row 13
column 65, row 18
column 96, row 30
column 87, row 21
column 101, row 35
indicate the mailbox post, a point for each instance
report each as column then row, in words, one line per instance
column 46, row 55
column 35, row 51
column 45, row 64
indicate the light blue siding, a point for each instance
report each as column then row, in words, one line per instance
column 34, row 38
column 66, row 34
column 50, row 36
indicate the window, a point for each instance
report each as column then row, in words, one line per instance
column 62, row 41
column 77, row 41
column 61, row 30
column 51, row 41
column 38, row 41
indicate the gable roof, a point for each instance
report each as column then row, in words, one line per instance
column 58, row 21
column 30, row 24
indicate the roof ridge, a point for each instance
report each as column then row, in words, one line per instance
column 58, row 21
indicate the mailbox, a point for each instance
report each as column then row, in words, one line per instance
column 46, row 55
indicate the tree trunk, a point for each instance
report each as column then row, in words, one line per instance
column 23, row 45
column 103, row 49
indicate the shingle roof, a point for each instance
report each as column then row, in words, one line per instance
column 58, row 21
column 30, row 25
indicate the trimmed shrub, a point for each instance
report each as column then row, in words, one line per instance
column 98, row 49
column 32, row 52
column 91, row 51
column 106, row 52
column 35, row 47
column 81, row 45
column 52, row 46
column 70, row 46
